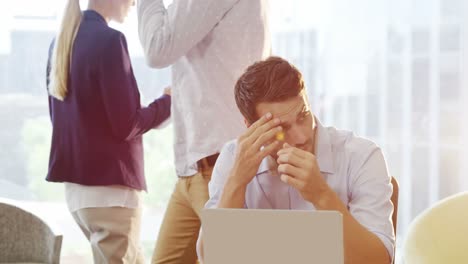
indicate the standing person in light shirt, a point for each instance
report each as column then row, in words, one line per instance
column 97, row 128
column 208, row 43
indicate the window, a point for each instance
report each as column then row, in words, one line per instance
column 450, row 38
column 421, row 93
column 452, row 9
column 394, row 100
column 420, row 41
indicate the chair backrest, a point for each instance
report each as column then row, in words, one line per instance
column 26, row 238
column 439, row 234
column 394, row 199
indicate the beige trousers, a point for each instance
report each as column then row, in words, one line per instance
column 179, row 230
column 114, row 233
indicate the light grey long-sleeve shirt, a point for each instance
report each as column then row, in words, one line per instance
column 209, row 44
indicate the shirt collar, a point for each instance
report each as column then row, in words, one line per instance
column 323, row 150
column 93, row 15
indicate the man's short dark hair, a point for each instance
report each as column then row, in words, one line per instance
column 270, row 80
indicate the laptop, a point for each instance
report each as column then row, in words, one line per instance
column 259, row 236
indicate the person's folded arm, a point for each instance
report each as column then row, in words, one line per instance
column 168, row 34
column 120, row 95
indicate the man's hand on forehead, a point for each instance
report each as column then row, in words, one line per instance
column 254, row 145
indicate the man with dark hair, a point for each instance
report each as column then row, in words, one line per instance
column 286, row 159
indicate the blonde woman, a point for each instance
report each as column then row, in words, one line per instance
column 98, row 124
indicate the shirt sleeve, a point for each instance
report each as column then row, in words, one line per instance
column 120, row 95
column 370, row 192
column 168, row 34
column 220, row 174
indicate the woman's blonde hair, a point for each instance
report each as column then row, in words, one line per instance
column 61, row 55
